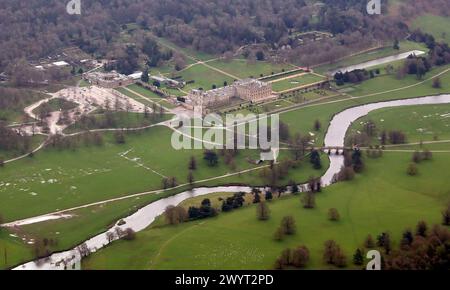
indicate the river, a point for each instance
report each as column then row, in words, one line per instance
column 144, row 217
column 376, row 62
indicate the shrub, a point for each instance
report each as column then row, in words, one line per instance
column 262, row 211
column 300, row 257
column 288, row 225
column 279, row 234
column 129, row 235
column 333, row 214
column 412, row 169
column 309, row 200
column 369, row 243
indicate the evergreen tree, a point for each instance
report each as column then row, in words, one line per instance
column 145, row 77
column 358, row 257
column 396, row 45
column 407, row 238
column 315, row 159
column 257, row 197
column 211, row 157
column 422, row 229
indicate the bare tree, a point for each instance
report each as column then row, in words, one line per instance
column 175, row 215
column 288, row 225
column 110, row 236
column 262, row 211
column 83, row 250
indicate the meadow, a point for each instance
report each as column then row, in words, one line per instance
column 291, row 83
column 419, row 123
column 203, row 77
column 383, row 198
column 243, row 69
column 56, row 179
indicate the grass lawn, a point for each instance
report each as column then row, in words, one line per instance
column 242, row 69
column 438, row 26
column 150, row 97
column 282, row 76
column 184, row 50
column 419, row 123
column 13, row 250
column 295, row 82
column 440, row 146
column 94, row 220
column 143, row 91
column 390, row 82
column 204, row 77
column 57, row 179
column 384, row 198
column 54, row 179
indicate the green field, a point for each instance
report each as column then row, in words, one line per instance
column 15, row 249
column 419, row 123
column 438, row 26
column 242, row 69
column 378, row 200
column 385, row 83
column 203, row 77
column 292, row 83
column 149, row 95
column 188, row 52
column 148, row 100
column 55, row 179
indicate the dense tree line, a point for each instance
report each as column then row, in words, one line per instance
column 15, row 100
column 12, row 141
column 36, row 28
column 205, row 210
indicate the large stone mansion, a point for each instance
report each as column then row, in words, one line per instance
column 248, row 89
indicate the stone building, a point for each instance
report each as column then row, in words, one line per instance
column 253, row 90
column 249, row 89
column 108, row 80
